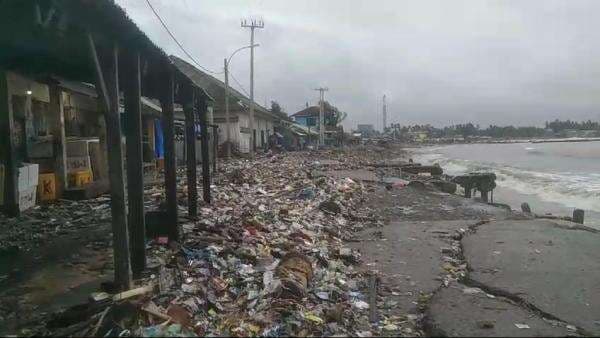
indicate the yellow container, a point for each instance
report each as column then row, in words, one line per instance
column 46, row 188
column 80, row 178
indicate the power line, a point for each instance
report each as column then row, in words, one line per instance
column 177, row 42
column 239, row 84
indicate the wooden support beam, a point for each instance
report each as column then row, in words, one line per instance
column 190, row 147
column 101, row 172
column 215, row 147
column 203, row 111
column 168, row 125
column 57, row 129
column 29, row 131
column 8, row 155
column 109, row 94
column 135, row 168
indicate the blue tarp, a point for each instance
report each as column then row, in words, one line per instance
column 159, row 146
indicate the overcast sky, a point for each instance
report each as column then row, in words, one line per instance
column 440, row 62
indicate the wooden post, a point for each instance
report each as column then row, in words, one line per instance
column 57, row 128
column 101, row 173
column 109, row 93
column 525, row 208
column 215, row 147
column 29, row 131
column 168, row 125
column 190, row 141
column 135, row 169
column 202, row 109
column 8, row 155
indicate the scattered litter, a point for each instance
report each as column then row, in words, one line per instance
column 267, row 256
column 471, row 291
column 486, row 324
column 361, row 305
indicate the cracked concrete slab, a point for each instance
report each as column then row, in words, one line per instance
column 453, row 312
column 552, row 267
column 408, row 254
column 414, row 203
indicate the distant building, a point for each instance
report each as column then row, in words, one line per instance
column 366, row 130
column 309, row 117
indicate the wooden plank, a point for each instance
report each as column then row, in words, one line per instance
column 203, row 111
column 190, row 142
column 132, row 95
column 109, row 94
column 8, row 154
column 167, row 102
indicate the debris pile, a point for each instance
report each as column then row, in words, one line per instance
column 43, row 222
column 266, row 258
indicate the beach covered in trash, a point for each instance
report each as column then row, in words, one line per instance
column 269, row 257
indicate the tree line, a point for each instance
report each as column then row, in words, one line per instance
column 473, row 130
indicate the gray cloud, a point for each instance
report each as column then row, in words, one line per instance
column 439, row 62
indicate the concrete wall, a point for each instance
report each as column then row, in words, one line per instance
column 240, row 134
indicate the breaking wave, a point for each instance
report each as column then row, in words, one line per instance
column 566, row 188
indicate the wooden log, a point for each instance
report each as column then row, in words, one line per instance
column 135, row 168
column 134, row 292
column 8, row 153
column 168, row 123
column 203, row 110
column 190, row 147
column 109, row 94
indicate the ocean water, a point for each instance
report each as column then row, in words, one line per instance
column 552, row 177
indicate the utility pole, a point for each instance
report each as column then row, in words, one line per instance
column 384, row 114
column 253, row 24
column 227, row 125
column 321, row 115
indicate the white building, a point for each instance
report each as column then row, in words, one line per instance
column 239, row 105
